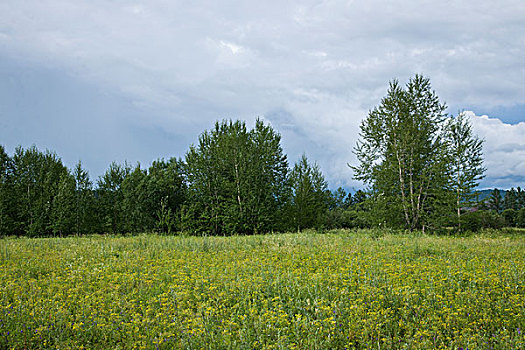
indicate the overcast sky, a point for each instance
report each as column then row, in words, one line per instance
column 139, row 80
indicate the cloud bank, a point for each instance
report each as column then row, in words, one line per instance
column 313, row 69
column 504, row 150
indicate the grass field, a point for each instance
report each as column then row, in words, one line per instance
column 292, row 291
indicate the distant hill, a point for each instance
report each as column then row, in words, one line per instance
column 484, row 194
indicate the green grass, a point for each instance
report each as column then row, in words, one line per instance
column 364, row 289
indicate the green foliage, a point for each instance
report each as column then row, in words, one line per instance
column 110, row 203
column 482, row 219
column 510, row 217
column 165, row 218
column 520, row 195
column 520, row 218
column 358, row 200
column 31, row 186
column 514, row 199
column 346, row 219
column 418, row 166
column 473, row 221
column 165, row 194
column 466, row 161
column 5, row 192
column 140, row 200
column 236, row 180
column 85, row 203
column 34, row 193
column 402, row 153
column 495, row 202
column 510, row 201
column 346, row 211
column 338, row 199
column 415, row 161
column 63, row 215
column 134, row 193
column 309, row 201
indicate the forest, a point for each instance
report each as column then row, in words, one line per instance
column 39, row 196
column 235, row 181
column 420, row 166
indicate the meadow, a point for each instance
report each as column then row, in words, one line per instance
column 336, row 290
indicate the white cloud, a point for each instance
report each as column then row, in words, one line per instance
column 504, row 150
column 235, row 49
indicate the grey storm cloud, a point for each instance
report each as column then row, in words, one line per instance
column 311, row 68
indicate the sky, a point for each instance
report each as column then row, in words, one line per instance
column 102, row 81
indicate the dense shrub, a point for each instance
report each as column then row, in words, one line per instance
column 520, row 218
column 510, row 216
column 477, row 220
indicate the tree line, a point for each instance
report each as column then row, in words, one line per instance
column 421, row 168
column 504, row 210
column 233, row 181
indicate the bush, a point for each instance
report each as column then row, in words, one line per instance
column 341, row 218
column 477, row 220
column 491, row 219
column 520, row 218
column 472, row 221
column 510, row 216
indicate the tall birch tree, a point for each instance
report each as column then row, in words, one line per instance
column 236, row 180
column 309, row 202
column 402, row 154
column 466, row 152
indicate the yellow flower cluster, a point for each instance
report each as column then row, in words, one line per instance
column 293, row 291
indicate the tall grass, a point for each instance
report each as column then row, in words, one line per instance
column 341, row 289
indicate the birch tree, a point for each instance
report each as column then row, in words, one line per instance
column 466, row 152
column 402, row 154
column 309, row 198
column 85, row 218
column 236, row 180
column 5, row 193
